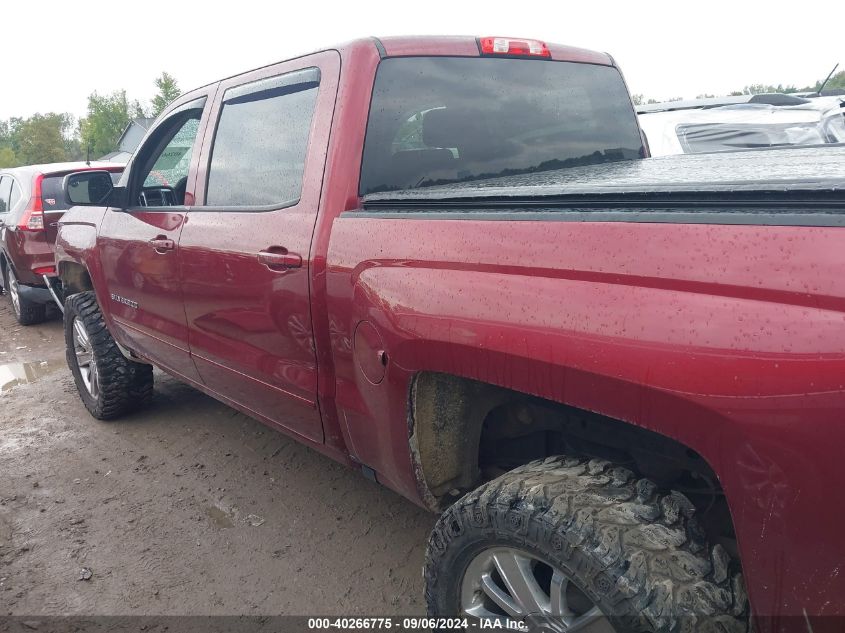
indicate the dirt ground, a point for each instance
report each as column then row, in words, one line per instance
column 185, row 508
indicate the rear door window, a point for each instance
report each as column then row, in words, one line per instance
column 261, row 142
column 437, row 120
column 15, row 197
column 5, row 193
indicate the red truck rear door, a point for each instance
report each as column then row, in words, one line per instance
column 138, row 245
column 245, row 250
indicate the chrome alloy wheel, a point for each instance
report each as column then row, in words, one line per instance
column 85, row 358
column 504, row 582
column 14, row 291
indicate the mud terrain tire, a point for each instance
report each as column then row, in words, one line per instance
column 122, row 385
column 637, row 554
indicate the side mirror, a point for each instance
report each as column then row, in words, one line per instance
column 88, row 188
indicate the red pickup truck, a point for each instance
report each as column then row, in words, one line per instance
column 442, row 262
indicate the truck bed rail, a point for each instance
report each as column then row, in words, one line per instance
column 791, row 187
column 785, row 174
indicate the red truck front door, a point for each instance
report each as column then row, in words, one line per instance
column 245, row 250
column 139, row 245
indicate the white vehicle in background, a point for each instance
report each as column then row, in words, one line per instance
column 743, row 122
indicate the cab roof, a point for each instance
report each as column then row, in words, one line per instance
column 432, row 45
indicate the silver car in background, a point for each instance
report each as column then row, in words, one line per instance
column 744, row 122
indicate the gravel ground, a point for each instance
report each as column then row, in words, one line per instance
column 185, row 508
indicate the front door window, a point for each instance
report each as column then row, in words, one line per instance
column 163, row 164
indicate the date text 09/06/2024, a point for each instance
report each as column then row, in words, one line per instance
column 411, row 624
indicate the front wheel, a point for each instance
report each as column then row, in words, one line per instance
column 109, row 384
column 570, row 544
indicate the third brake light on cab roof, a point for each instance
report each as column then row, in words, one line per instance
column 513, row 46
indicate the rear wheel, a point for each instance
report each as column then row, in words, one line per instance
column 570, row 544
column 108, row 383
column 26, row 312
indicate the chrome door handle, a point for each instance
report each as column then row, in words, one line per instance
column 279, row 258
column 162, row 244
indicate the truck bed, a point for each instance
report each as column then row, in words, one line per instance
column 790, row 186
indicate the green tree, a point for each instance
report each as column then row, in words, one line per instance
column 837, row 82
column 759, row 89
column 73, row 147
column 108, row 116
column 138, row 111
column 5, row 133
column 8, row 158
column 41, row 138
column 8, row 134
column 168, row 90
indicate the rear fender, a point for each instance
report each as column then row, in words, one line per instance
column 728, row 360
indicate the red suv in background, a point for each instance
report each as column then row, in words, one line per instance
column 31, row 203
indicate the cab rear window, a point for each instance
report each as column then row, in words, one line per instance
column 439, row 120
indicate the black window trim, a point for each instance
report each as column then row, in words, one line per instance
column 241, row 90
column 200, row 103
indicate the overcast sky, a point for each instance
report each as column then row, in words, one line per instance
column 54, row 53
